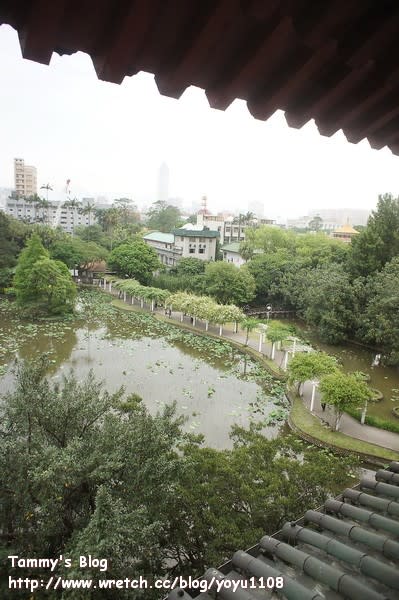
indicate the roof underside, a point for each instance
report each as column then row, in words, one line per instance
column 334, row 61
column 350, row 549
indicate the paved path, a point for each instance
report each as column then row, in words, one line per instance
column 348, row 426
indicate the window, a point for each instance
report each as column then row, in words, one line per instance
column 191, row 250
column 201, row 251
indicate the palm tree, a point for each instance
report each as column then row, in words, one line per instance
column 46, row 187
column 75, row 204
column 88, row 209
column 44, row 204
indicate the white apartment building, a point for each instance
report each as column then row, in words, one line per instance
column 230, row 230
column 25, row 178
column 56, row 214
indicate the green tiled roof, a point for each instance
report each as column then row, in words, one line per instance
column 205, row 233
column 232, row 247
column 159, row 236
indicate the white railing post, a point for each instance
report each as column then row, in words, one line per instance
column 313, row 396
column 260, row 342
column 235, row 326
column 152, row 305
column 206, row 325
column 273, row 350
column 181, row 317
column 142, row 302
column 194, row 321
column 124, row 296
column 286, row 360
column 220, row 329
column 110, row 286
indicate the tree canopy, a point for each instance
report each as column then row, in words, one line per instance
column 229, row 284
column 86, row 471
column 40, row 283
column 163, row 217
column 305, row 366
column 378, row 243
column 136, row 260
column 343, row 391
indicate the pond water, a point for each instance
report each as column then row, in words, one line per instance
column 359, row 358
column 213, row 385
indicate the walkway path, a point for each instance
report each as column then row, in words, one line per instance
column 348, row 425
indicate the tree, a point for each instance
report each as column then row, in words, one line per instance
column 249, row 324
column 378, row 243
column 190, row 266
column 305, row 366
column 343, row 391
column 229, row 284
column 136, row 260
column 41, row 283
column 75, row 252
column 49, row 288
column 328, row 302
column 163, row 217
column 378, row 323
column 9, row 249
column 316, row 223
column 277, row 332
column 88, row 209
column 84, row 471
column 33, row 252
column 229, row 499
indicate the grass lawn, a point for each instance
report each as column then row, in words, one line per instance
column 311, row 425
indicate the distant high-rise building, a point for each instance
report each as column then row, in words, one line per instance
column 163, row 182
column 25, row 177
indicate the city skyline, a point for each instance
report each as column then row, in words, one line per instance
column 110, row 141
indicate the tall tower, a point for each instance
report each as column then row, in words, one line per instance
column 25, row 178
column 163, row 182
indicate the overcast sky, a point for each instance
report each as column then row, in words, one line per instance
column 111, row 140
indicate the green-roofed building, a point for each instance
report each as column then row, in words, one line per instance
column 164, row 245
column 183, row 243
column 197, row 243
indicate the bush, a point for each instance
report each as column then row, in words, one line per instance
column 395, row 411
column 378, row 422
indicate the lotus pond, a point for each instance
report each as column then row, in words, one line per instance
column 214, row 386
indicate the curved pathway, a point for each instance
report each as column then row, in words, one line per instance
column 349, row 426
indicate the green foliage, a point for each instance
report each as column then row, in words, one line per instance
column 305, row 366
column 249, row 324
column 328, row 302
column 229, row 499
column 190, row 266
column 74, row 251
column 42, row 284
column 204, row 308
column 373, row 420
column 176, row 283
column 9, row 249
column 83, row 471
column 343, row 391
column 379, row 323
column 163, row 217
column 136, row 260
column 378, row 243
column 227, row 283
column 277, row 332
